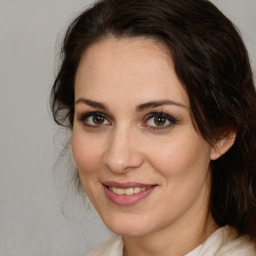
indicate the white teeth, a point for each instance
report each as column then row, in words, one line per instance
column 136, row 190
column 119, row 191
column 127, row 191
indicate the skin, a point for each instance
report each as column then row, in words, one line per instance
column 122, row 74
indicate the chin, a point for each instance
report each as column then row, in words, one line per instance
column 124, row 227
column 129, row 231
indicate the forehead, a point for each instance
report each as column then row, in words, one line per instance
column 137, row 67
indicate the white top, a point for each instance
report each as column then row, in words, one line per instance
column 223, row 242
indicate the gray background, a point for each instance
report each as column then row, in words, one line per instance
column 39, row 213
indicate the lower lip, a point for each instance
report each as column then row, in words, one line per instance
column 127, row 200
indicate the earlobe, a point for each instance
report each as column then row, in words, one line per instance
column 222, row 146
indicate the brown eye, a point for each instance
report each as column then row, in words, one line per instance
column 98, row 119
column 94, row 119
column 159, row 121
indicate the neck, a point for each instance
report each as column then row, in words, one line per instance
column 171, row 241
column 179, row 238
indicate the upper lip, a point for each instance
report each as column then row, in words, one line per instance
column 127, row 184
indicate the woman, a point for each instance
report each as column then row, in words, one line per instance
column 160, row 99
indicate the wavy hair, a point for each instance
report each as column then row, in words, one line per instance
column 212, row 64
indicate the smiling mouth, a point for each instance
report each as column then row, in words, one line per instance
column 127, row 191
column 126, row 194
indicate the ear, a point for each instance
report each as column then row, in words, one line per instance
column 222, row 146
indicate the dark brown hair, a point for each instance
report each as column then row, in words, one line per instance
column 211, row 62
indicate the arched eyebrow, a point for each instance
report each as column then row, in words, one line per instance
column 154, row 104
column 139, row 108
column 91, row 103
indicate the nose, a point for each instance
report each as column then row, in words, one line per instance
column 123, row 151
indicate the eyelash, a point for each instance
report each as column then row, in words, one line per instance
column 172, row 121
column 85, row 116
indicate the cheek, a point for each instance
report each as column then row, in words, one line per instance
column 86, row 153
column 180, row 155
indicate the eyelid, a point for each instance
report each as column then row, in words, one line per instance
column 81, row 117
column 84, row 115
column 168, row 117
column 161, row 114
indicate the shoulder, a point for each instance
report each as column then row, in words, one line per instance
column 112, row 247
column 225, row 242
column 236, row 245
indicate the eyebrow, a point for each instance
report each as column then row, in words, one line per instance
column 154, row 104
column 139, row 108
column 91, row 103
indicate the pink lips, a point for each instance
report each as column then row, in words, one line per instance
column 127, row 200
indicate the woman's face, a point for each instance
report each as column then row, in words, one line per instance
column 141, row 162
